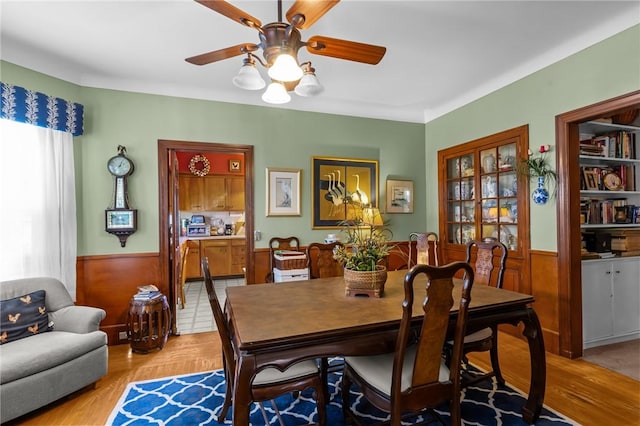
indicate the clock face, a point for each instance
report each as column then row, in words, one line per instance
column 613, row 182
column 120, row 166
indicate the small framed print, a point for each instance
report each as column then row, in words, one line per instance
column 121, row 220
column 235, row 165
column 283, row 192
column 399, row 196
column 590, row 180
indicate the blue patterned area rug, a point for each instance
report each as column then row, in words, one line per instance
column 196, row 399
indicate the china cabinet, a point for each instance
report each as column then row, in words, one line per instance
column 482, row 195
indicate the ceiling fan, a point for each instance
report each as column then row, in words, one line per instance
column 280, row 42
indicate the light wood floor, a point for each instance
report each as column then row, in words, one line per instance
column 582, row 391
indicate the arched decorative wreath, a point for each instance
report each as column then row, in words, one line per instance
column 197, row 170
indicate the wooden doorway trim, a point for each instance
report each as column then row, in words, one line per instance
column 165, row 150
column 568, row 211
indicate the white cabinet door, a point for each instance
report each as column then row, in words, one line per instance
column 597, row 305
column 626, row 296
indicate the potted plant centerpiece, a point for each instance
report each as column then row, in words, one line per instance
column 365, row 236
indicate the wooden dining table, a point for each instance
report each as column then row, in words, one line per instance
column 276, row 325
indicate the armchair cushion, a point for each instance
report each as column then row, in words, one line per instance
column 23, row 316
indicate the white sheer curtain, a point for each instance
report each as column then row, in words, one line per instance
column 38, row 204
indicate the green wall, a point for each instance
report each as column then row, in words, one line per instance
column 603, row 71
column 285, row 138
column 281, row 138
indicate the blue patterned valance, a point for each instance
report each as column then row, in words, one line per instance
column 27, row 106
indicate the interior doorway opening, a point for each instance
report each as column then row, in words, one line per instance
column 169, row 223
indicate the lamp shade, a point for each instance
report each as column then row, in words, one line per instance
column 285, row 68
column 276, row 94
column 249, row 78
column 309, row 85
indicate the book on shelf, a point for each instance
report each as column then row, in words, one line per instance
column 620, row 144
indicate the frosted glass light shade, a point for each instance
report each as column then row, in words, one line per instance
column 285, row 68
column 309, row 85
column 276, row 94
column 249, row 78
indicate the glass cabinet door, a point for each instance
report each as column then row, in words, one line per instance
column 499, row 195
column 461, row 199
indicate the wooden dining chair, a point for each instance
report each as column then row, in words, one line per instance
column 414, row 377
column 483, row 256
column 280, row 243
column 320, row 260
column 184, row 251
column 269, row 382
column 321, row 264
column 427, row 250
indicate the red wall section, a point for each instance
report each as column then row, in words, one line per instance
column 219, row 163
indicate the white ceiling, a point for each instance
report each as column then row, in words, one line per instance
column 453, row 51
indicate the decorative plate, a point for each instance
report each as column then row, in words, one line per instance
column 612, row 181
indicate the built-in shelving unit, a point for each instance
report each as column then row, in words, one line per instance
column 610, row 175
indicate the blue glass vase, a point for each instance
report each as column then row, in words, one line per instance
column 540, row 194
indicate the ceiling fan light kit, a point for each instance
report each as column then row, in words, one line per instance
column 276, row 94
column 285, row 68
column 309, row 84
column 248, row 77
column 280, row 42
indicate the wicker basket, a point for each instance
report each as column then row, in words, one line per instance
column 369, row 283
column 291, row 262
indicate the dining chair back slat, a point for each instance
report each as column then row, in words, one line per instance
column 427, row 251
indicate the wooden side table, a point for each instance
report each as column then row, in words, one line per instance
column 148, row 323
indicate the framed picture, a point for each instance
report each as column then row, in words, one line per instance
column 590, row 180
column 399, row 196
column 235, row 165
column 121, row 219
column 283, row 192
column 338, row 183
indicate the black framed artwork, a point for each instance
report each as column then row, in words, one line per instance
column 338, row 183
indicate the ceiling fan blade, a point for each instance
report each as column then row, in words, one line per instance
column 218, row 55
column 232, row 12
column 312, row 10
column 345, row 49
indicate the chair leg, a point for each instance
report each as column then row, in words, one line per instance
column 495, row 364
column 324, row 372
column 322, row 399
column 275, row 408
column 455, row 411
column 227, row 395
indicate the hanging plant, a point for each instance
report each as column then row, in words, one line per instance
column 537, row 165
